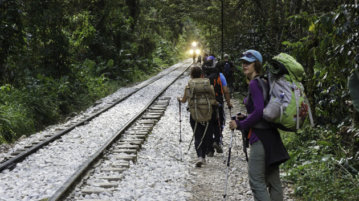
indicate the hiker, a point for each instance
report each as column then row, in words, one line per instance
column 199, row 59
column 227, row 68
column 194, row 56
column 267, row 151
column 209, row 62
column 219, row 83
column 201, row 100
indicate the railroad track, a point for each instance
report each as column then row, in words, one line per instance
column 84, row 166
column 101, row 176
column 20, row 154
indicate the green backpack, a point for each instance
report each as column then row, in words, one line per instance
column 288, row 106
column 201, row 97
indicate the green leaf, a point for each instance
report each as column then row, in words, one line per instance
column 353, row 84
column 312, row 27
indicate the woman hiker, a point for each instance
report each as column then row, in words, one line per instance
column 201, row 100
column 267, row 151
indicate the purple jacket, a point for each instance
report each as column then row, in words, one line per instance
column 275, row 152
column 255, row 110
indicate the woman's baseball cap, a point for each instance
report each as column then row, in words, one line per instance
column 251, row 56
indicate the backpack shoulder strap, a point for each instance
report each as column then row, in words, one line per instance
column 219, row 81
column 262, row 124
column 264, row 87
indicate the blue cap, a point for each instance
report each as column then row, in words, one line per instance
column 210, row 58
column 251, row 56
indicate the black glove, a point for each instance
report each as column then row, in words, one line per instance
column 241, row 116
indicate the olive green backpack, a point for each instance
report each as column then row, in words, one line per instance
column 201, row 97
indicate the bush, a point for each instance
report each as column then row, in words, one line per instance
column 15, row 117
column 317, row 165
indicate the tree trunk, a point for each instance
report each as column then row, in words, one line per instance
column 356, row 118
column 134, row 11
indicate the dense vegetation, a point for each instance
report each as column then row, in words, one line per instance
column 57, row 57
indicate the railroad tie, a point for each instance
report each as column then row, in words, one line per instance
column 92, row 190
column 127, row 151
column 131, row 141
column 113, row 169
column 147, row 121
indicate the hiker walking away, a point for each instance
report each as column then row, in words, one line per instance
column 227, row 68
column 199, row 59
column 194, row 56
column 219, row 83
column 225, row 93
column 267, row 151
column 201, row 100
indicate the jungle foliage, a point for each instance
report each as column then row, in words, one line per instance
column 58, row 56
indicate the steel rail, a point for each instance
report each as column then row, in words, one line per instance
column 61, row 193
column 11, row 163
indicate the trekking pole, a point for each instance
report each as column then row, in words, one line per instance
column 228, row 160
column 180, row 128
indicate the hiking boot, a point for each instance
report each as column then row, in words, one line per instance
column 199, row 162
column 210, row 154
column 203, row 161
column 218, row 147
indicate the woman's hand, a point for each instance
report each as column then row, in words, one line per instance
column 232, row 124
column 179, row 98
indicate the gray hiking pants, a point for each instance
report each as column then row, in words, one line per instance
column 266, row 186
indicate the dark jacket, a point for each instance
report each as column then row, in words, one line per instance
column 228, row 74
column 273, row 146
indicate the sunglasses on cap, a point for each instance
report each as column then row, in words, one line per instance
column 249, row 55
column 246, row 62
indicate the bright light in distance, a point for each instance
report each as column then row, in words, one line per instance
column 198, row 51
column 191, row 51
column 194, row 44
